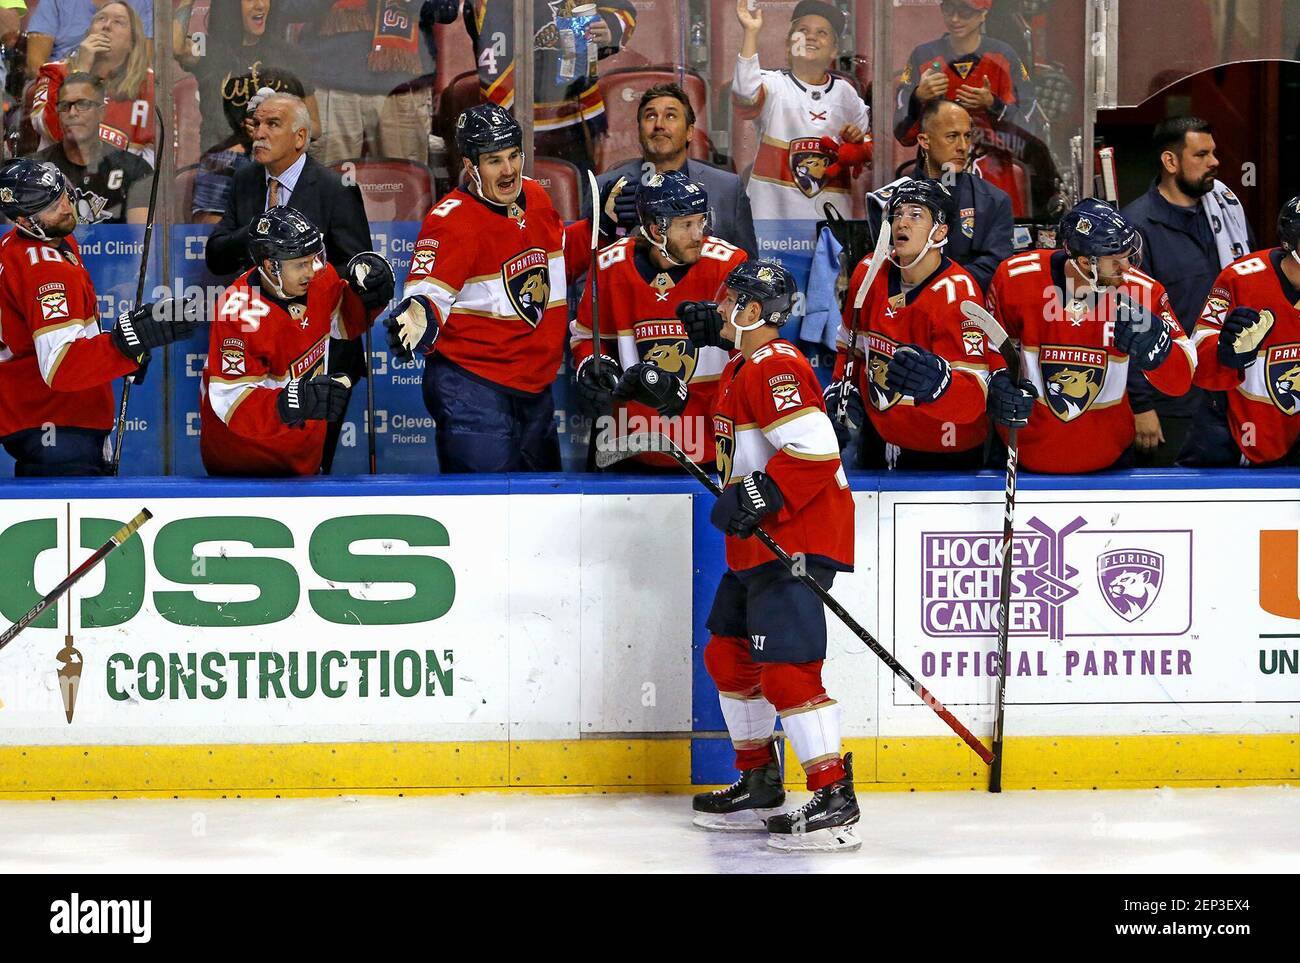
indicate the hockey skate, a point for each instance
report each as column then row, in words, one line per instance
column 824, row 823
column 745, row 805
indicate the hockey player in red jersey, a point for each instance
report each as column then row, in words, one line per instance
column 266, row 396
column 921, row 364
column 1248, row 344
column 485, row 307
column 56, row 366
column 779, row 465
column 646, row 283
column 1082, row 316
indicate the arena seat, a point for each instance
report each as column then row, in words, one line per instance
column 392, row 188
column 455, row 54
column 461, row 93
column 622, row 93
column 564, row 182
column 656, row 40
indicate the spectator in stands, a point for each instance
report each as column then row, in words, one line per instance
column 285, row 175
column 11, row 24
column 115, row 51
column 1192, row 227
column 988, row 78
column 109, row 186
column 982, row 237
column 57, row 28
column 667, row 124
column 371, row 64
column 242, row 50
column 568, row 114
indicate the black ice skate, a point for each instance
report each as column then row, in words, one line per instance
column 824, row 823
column 745, row 805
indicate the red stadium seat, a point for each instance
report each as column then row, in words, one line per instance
column 455, row 54
column 656, row 40
column 393, row 189
column 622, row 93
column 461, row 93
column 564, row 182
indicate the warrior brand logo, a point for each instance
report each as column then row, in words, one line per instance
column 724, row 445
column 1130, row 580
column 961, row 575
column 528, row 283
column 808, row 162
column 1073, row 378
column 879, row 351
column 1284, row 377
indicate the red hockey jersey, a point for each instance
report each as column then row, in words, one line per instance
column 1264, row 398
column 638, row 322
column 496, row 278
column 128, row 124
column 770, row 418
column 257, row 344
column 1082, row 420
column 928, row 316
column 55, row 366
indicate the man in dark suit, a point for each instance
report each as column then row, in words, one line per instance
column 667, row 124
column 284, row 175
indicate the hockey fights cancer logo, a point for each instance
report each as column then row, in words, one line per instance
column 1283, row 369
column 1073, row 377
column 808, row 162
column 528, row 283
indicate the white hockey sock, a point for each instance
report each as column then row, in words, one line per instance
column 814, row 733
column 750, row 722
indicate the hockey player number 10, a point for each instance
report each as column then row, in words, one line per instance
column 46, row 254
column 948, row 287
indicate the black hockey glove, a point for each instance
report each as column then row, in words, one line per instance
column 703, row 323
column 596, row 381
column 1010, row 404
column 153, row 325
column 742, row 506
column 318, row 398
column 649, row 385
column 1141, row 335
column 854, row 411
column 1243, row 332
column 412, row 327
column 918, row 373
column 371, row 277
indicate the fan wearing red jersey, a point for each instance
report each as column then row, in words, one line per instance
column 779, row 465
column 1083, row 316
column 485, row 307
column 921, row 364
column 56, row 366
column 648, row 283
column 1248, row 344
column 266, row 396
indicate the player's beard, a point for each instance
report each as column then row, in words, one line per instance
column 684, row 255
column 1197, row 188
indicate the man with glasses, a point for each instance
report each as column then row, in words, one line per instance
column 109, row 185
column 983, row 75
column 1084, row 317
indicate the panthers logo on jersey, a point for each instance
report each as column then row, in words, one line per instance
column 1072, row 377
column 880, row 349
column 674, row 355
column 1284, row 377
column 528, row 283
column 808, row 163
column 724, row 446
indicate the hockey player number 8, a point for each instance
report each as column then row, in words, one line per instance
column 949, row 287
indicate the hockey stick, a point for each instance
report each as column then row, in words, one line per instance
column 637, row 443
column 138, row 376
column 114, row 541
column 1003, row 344
column 877, row 259
column 592, row 464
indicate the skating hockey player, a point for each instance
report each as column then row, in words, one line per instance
column 1248, row 344
column 266, row 396
column 1083, row 315
column 922, row 366
column 56, row 365
column 780, row 468
column 648, row 284
column 485, row 307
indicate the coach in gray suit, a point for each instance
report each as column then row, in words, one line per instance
column 667, row 123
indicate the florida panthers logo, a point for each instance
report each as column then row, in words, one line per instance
column 1130, row 580
column 674, row 355
column 724, row 446
column 528, row 283
column 1072, row 377
column 879, row 351
column 973, row 341
column 808, row 163
column 1284, row 377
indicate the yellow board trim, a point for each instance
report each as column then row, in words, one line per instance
column 622, row 765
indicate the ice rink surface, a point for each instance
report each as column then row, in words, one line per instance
column 1248, row 830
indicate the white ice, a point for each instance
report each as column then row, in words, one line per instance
column 1255, row 830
